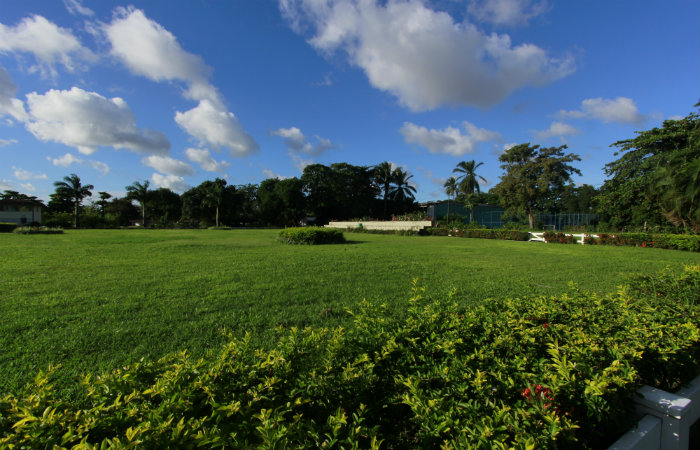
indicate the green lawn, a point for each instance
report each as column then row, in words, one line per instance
column 95, row 300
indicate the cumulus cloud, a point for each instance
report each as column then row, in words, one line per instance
column 439, row 181
column 270, row 174
column 450, row 141
column 299, row 161
column 216, row 127
column 168, row 165
column 620, row 110
column 422, row 56
column 557, row 129
column 6, row 185
column 506, row 12
column 205, row 160
column 172, row 182
column 295, row 140
column 150, row 50
column 49, row 43
column 8, row 104
column 87, row 120
column 68, row 159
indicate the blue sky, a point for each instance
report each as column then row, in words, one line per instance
column 180, row 92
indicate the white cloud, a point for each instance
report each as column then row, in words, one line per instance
column 216, row 127
column 422, row 56
column 150, row 50
column 439, row 181
column 500, row 149
column 22, row 174
column 87, row 120
column 49, row 43
column 620, row 110
column 8, row 104
column 6, row 185
column 28, row 187
column 204, row 159
column 557, row 129
column 270, row 174
column 168, row 165
column 676, row 117
column 295, row 140
column 68, row 159
column 450, row 140
column 172, row 182
column 4, row 142
column 506, row 12
column 75, row 7
column 299, row 161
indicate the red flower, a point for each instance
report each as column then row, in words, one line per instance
column 545, row 325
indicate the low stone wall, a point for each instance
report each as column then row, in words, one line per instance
column 389, row 225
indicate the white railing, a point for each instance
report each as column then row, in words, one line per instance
column 387, row 225
column 666, row 420
column 539, row 237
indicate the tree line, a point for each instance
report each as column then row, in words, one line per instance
column 655, row 182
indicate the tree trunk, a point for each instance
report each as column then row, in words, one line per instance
column 448, row 211
column 217, row 217
column 143, row 215
column 531, row 218
column 471, row 215
column 75, row 216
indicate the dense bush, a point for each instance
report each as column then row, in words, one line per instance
column 544, row 372
column 484, row 233
column 560, row 238
column 311, row 235
column 38, row 230
column 687, row 242
column 7, row 227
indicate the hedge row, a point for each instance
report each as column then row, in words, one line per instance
column 687, row 242
column 37, row 230
column 544, row 372
column 311, row 236
column 559, row 238
column 7, row 227
column 485, row 233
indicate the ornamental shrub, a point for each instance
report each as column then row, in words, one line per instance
column 687, row 242
column 7, row 227
column 311, row 236
column 542, row 372
column 37, row 230
column 558, row 237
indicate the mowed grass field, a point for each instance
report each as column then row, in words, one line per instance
column 94, row 300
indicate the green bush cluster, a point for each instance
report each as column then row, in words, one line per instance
column 687, row 242
column 37, row 230
column 396, row 232
column 311, row 236
column 558, row 237
column 7, row 227
column 544, row 372
column 483, row 233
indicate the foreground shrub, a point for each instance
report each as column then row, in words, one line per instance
column 311, row 236
column 38, row 230
column 544, row 372
column 7, row 227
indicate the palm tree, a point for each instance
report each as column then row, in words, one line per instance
column 71, row 188
column 383, row 176
column 213, row 196
column 104, row 196
column 402, row 191
column 139, row 192
column 469, row 183
column 450, row 189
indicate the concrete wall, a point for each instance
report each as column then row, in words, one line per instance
column 387, row 225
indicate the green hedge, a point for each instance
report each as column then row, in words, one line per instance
column 311, row 236
column 559, row 238
column 485, row 233
column 37, row 230
column 543, row 372
column 687, row 242
column 7, row 227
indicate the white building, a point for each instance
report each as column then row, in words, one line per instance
column 22, row 212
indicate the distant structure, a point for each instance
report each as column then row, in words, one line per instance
column 21, row 211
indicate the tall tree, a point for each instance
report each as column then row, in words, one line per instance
column 139, row 192
column 451, row 187
column 469, row 184
column 104, row 196
column 164, row 206
column 534, row 177
column 383, row 176
column 402, row 191
column 214, row 195
column 649, row 182
column 71, row 188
